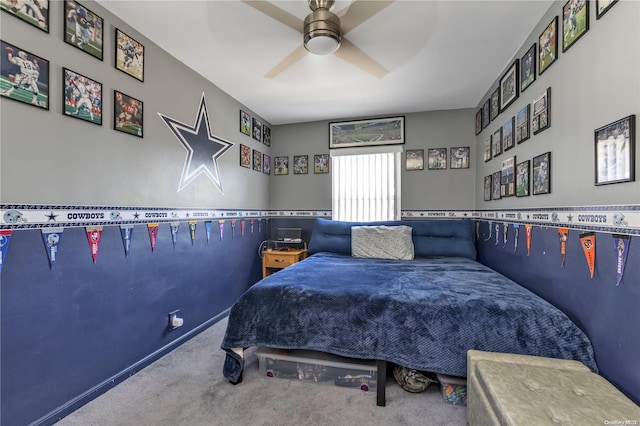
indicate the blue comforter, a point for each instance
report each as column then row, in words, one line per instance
column 422, row 314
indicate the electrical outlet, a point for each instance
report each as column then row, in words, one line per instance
column 174, row 320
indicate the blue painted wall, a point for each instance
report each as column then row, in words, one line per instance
column 608, row 314
column 82, row 325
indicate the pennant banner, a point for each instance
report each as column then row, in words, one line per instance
column 516, row 227
column 242, row 226
column 126, row 231
column 497, row 232
column 505, row 231
column 192, row 230
column 588, row 242
column 51, row 238
column 528, row 230
column 94, row 234
column 207, row 228
column 563, row 233
column 153, row 235
column 252, row 220
column 621, row 245
column 490, row 230
column 5, row 238
column 233, row 228
column 174, row 232
column 221, row 226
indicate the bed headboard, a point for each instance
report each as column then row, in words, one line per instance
column 430, row 237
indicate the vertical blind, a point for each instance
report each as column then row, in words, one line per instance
column 365, row 187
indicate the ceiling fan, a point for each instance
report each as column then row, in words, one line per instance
column 324, row 31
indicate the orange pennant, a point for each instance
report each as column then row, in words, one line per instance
column 529, row 230
column 94, row 233
column 588, row 241
column 564, row 236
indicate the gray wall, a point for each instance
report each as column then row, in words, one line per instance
column 47, row 157
column 421, row 189
column 595, row 82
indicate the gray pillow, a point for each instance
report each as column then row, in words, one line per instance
column 382, row 242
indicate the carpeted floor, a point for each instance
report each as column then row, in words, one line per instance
column 186, row 387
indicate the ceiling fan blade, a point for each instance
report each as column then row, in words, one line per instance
column 276, row 13
column 359, row 11
column 291, row 59
column 352, row 54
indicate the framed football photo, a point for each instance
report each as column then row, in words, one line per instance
column 25, row 76
column 129, row 55
column 32, row 12
column 83, row 29
column 127, row 114
column 82, row 97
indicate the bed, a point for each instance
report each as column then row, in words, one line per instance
column 423, row 314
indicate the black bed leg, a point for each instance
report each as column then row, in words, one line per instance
column 382, row 383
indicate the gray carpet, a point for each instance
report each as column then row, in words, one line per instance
column 186, row 387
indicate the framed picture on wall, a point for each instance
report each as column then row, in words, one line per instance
column 541, row 112
column 509, row 87
column 542, row 174
column 83, row 29
column 496, row 193
column 522, row 124
column 376, row 131
column 415, row 159
column 266, row 135
column 507, row 177
column 528, row 68
column 478, row 122
column 31, row 86
column 548, row 46
column 257, row 160
column 266, row 164
column 459, row 157
column 496, row 143
column 281, row 165
column 495, row 104
column 487, row 188
column 487, row 149
column 437, row 158
column 615, row 151
column 300, row 164
column 256, row 127
column 82, row 97
column 508, row 141
column 245, row 156
column 603, row 6
column 245, row 123
column 575, row 22
column 486, row 113
column 321, row 163
column 522, row 179
column 129, row 55
column 127, row 114
column 35, row 13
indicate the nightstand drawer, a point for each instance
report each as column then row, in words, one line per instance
column 276, row 261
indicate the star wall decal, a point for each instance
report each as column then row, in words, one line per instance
column 203, row 148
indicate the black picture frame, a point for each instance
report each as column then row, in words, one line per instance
column 34, row 13
column 437, row 158
column 495, row 104
column 82, row 97
column 321, row 163
column 478, row 121
column 83, row 29
column 245, row 123
column 257, row 160
column 523, row 129
column 541, row 112
column 496, row 143
column 528, row 68
column 371, row 132
column 541, row 182
column 487, row 188
column 509, row 86
column 496, row 189
column 508, row 134
column 245, row 156
column 281, row 165
column 487, row 148
column 459, row 157
column 128, row 114
column 615, row 151
column 508, row 177
column 31, row 88
column 266, row 164
column 522, row 178
column 129, row 55
column 300, row 164
column 575, row 22
column 548, row 46
column 486, row 113
column 603, row 6
column 266, row 135
column 414, row 159
column 256, row 129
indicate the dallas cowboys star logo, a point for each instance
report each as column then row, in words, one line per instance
column 203, row 148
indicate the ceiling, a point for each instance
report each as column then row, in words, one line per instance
column 438, row 55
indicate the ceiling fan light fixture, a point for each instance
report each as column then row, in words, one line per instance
column 322, row 34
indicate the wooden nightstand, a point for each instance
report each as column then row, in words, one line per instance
column 274, row 260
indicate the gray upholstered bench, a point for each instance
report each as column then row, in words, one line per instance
column 507, row 389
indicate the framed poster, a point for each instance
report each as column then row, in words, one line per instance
column 245, row 123
column 495, row 104
column 35, row 13
column 575, row 22
column 528, row 68
column 257, row 160
column 82, row 97
column 245, row 156
column 508, row 141
column 486, row 113
column 507, row 177
column 281, row 165
column 257, row 129
column 522, row 179
column 541, row 112
column 487, row 188
column 603, row 6
column 509, row 87
column 83, row 29
column 615, row 151
column 478, row 122
column 496, row 143
column 321, row 163
column 548, row 46
column 128, row 114
column 522, row 124
column 266, row 164
column 25, row 76
column 129, row 55
column 437, row 158
column 495, row 186
column 266, row 135
column 377, row 131
column 414, row 159
column 542, row 174
column 459, row 157
column 300, row 164
column 487, row 149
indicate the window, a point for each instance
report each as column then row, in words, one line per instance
column 366, row 186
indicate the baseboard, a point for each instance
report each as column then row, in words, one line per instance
column 82, row 399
